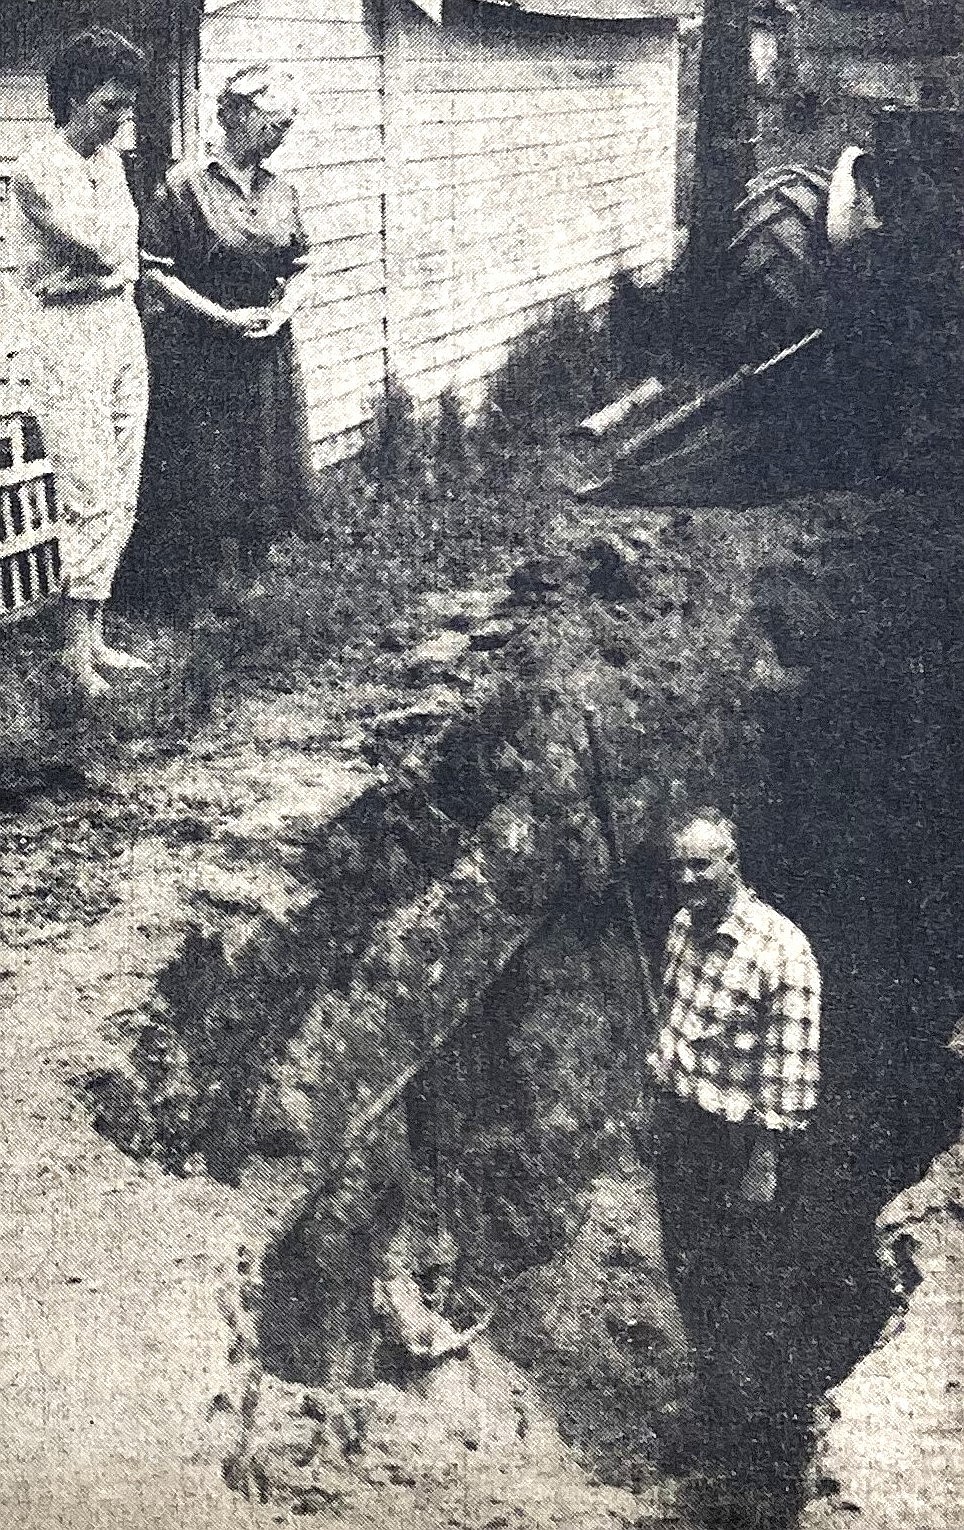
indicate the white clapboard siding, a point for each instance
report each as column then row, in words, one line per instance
column 527, row 161
column 23, row 118
column 335, row 156
column 456, row 180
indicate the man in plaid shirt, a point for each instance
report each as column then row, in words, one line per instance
column 736, row 1059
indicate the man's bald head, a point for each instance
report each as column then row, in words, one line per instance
column 710, row 827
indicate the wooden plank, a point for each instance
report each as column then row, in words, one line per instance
column 486, row 57
column 340, row 379
column 547, row 209
column 503, row 203
column 349, row 345
column 332, row 186
column 355, row 252
column 530, row 187
column 331, row 450
column 500, row 319
column 512, row 201
column 227, row 39
column 318, row 79
column 503, row 289
column 599, row 123
column 472, row 105
column 608, row 10
column 513, row 75
column 514, row 263
column 415, row 266
column 429, row 376
column 333, row 415
column 487, row 141
column 327, row 422
column 478, row 241
column 551, row 160
column 327, row 224
column 308, row 149
column 330, row 416
column 341, row 112
column 340, row 286
column 476, row 313
column 294, row 10
column 338, row 76
column 366, row 311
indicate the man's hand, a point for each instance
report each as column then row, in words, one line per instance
column 759, row 1185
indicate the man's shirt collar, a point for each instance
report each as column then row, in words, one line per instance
column 741, row 918
column 739, row 922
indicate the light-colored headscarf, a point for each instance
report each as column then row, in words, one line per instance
column 267, row 86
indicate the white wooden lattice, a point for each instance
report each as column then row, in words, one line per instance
column 29, row 547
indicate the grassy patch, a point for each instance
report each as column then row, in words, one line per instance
column 433, row 501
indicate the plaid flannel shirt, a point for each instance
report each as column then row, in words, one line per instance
column 741, row 1017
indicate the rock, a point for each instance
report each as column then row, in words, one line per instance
column 539, row 577
column 492, row 636
column 463, row 610
column 445, row 648
column 619, row 566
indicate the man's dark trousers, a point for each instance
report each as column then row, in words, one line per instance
column 735, row 1269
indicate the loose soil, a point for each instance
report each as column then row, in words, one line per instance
column 118, row 1273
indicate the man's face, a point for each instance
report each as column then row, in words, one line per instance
column 705, row 869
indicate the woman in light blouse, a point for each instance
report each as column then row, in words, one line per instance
column 74, row 237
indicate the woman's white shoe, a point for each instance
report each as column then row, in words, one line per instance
column 115, row 659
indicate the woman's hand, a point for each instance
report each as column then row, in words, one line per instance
column 252, row 323
column 249, row 322
column 269, row 323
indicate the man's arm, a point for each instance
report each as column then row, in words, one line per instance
column 790, row 1065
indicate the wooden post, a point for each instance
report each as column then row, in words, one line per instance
column 724, row 155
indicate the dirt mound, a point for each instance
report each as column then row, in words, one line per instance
column 469, row 1446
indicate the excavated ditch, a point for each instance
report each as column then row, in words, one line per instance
column 796, row 664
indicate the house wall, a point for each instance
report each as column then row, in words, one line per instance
column 527, row 159
column 456, row 180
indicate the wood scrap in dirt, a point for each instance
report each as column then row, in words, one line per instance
column 652, row 460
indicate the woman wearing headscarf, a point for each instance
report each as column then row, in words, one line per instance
column 73, row 236
column 226, row 266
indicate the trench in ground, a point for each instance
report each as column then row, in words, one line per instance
column 851, row 828
column 862, row 858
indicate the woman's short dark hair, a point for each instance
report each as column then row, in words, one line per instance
column 87, row 61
